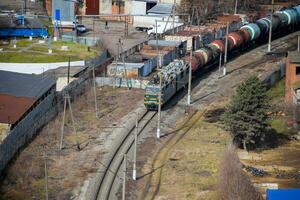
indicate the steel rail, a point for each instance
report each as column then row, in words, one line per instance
column 110, row 173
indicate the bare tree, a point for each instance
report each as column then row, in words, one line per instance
column 234, row 183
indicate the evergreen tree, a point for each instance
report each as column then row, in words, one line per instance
column 246, row 117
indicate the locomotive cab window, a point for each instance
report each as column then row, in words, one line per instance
column 298, row 70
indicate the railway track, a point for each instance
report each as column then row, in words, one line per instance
column 109, row 176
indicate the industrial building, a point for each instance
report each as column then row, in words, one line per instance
column 61, row 10
column 292, row 83
column 20, row 26
column 20, row 93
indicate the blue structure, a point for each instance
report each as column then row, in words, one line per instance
column 22, row 27
column 283, row 194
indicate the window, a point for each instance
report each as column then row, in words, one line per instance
column 181, row 75
column 298, row 70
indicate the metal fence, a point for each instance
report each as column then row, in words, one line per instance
column 121, row 82
column 89, row 41
column 44, row 112
column 98, row 59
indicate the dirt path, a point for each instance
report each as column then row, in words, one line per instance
column 69, row 170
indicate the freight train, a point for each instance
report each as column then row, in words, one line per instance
column 175, row 75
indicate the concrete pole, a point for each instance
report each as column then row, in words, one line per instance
column 95, row 92
column 69, row 66
column 190, row 80
column 220, row 64
column 63, row 124
column 94, row 29
column 124, row 177
column 298, row 49
column 157, row 51
column 46, row 176
column 135, row 147
column 235, row 8
column 73, row 123
column 159, row 107
column 226, row 49
column 271, row 27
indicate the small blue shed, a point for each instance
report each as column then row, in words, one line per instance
column 22, row 27
column 283, row 194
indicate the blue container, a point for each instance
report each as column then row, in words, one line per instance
column 253, row 30
column 283, row 19
column 283, row 194
column 292, row 16
column 23, row 32
column 297, row 8
column 264, row 25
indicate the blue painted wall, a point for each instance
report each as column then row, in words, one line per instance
column 13, row 32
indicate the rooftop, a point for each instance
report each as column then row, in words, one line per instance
column 24, row 85
column 13, row 22
column 161, row 8
column 164, row 43
column 18, row 92
column 294, row 57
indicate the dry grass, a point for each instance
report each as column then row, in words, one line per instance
column 67, row 169
column 234, row 183
column 191, row 167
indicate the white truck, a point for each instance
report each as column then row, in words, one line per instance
column 148, row 23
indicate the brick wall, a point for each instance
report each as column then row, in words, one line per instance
column 291, row 79
column 48, row 7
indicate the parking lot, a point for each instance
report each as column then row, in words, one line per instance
column 109, row 37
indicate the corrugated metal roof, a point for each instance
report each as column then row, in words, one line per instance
column 128, row 65
column 24, row 85
column 8, row 22
column 148, row 1
column 164, row 43
column 161, row 8
column 13, row 108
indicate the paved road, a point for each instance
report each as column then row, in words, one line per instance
column 110, row 37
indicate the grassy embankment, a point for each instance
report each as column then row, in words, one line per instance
column 191, row 164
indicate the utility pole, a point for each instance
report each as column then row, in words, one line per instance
column 69, row 65
column 25, row 6
column 271, row 27
column 124, row 177
column 95, row 92
column 135, row 147
column 73, row 123
column 159, row 107
column 94, row 30
column 226, row 49
column 67, row 100
column 298, row 49
column 157, row 50
column 123, row 61
column 235, row 8
column 63, row 123
column 174, row 3
column 190, row 79
column 46, row 176
column 220, row 64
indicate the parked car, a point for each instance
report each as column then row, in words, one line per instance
column 80, row 28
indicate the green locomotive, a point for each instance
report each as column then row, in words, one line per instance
column 175, row 77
